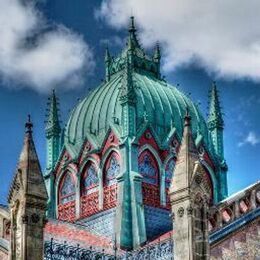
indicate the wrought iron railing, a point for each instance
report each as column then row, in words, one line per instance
column 62, row 251
column 163, row 250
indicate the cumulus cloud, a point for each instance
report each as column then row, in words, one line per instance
column 251, row 139
column 222, row 36
column 35, row 54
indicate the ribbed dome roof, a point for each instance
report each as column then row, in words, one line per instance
column 157, row 102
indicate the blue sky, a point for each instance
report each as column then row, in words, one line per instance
column 79, row 30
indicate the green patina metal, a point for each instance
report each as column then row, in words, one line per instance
column 215, row 122
column 132, row 99
column 53, row 137
column 216, row 127
column 52, row 131
column 158, row 104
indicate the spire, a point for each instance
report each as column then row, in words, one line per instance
column 215, row 119
column 53, row 124
column 29, row 173
column 28, row 125
column 132, row 40
column 186, row 157
column 216, row 123
column 27, row 203
column 190, row 181
column 52, row 131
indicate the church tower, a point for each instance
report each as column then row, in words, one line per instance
column 216, row 127
column 27, row 202
column 190, row 194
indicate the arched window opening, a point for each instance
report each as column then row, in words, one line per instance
column 90, row 180
column 67, row 189
column 111, row 171
column 67, row 195
column 148, row 168
column 89, row 191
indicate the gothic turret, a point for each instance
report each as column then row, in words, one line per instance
column 28, row 202
column 52, row 131
column 216, row 127
column 190, row 193
column 135, row 54
column 215, row 122
column 54, row 139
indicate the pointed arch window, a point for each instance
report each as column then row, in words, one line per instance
column 169, row 173
column 90, row 179
column 112, row 170
column 147, row 166
column 67, row 189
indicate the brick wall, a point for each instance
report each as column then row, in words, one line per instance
column 157, row 221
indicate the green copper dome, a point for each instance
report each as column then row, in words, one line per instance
column 133, row 77
column 158, row 103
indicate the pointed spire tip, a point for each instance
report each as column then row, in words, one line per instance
column 132, row 24
column 28, row 125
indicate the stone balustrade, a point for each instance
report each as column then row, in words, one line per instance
column 234, row 207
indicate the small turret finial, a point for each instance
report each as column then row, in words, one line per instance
column 132, row 28
column 132, row 40
column 28, row 125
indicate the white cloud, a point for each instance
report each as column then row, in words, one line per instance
column 222, row 35
column 251, row 139
column 36, row 55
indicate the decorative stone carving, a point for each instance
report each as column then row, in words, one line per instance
column 189, row 210
column 181, row 212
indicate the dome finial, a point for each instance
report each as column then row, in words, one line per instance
column 132, row 28
column 132, row 40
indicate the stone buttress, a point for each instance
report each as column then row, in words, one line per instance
column 190, row 195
